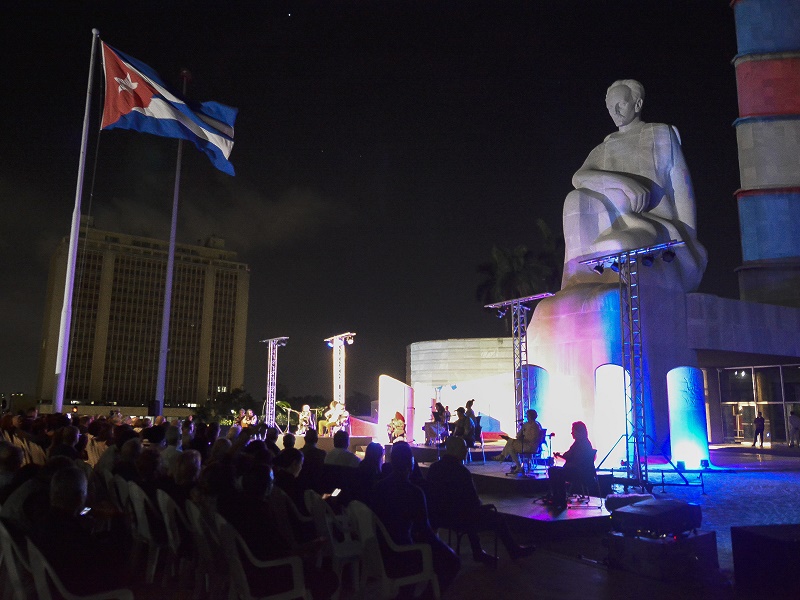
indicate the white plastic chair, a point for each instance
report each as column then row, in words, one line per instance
column 36, row 453
column 234, row 548
column 146, row 516
column 210, row 578
column 13, row 567
column 179, row 559
column 369, row 526
column 337, row 533
column 94, row 450
column 44, row 576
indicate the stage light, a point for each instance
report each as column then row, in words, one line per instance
column 668, row 256
column 681, row 465
column 598, row 268
column 704, row 464
column 648, row 260
column 615, row 267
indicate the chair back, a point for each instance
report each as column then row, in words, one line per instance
column 43, row 575
column 172, row 515
column 14, row 564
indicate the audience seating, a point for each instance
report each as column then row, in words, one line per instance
column 44, row 576
column 146, row 527
column 369, row 527
column 210, row 578
column 339, row 543
column 14, row 567
column 180, row 557
column 235, row 550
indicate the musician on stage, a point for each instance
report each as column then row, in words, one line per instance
column 250, row 419
column 239, row 418
column 579, row 465
column 335, row 416
column 304, row 420
column 529, row 438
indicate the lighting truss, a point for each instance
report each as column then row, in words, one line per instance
column 272, row 372
column 338, row 342
column 519, row 326
column 626, row 264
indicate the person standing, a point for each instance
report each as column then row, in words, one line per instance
column 794, row 429
column 758, row 423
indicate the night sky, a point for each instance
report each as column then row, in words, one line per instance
column 382, row 148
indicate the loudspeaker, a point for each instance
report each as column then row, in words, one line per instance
column 693, row 556
column 654, row 518
column 765, row 558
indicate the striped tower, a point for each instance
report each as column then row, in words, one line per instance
column 768, row 136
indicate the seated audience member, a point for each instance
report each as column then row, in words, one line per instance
column 233, row 432
column 269, row 537
column 402, row 508
column 454, row 502
column 370, row 471
column 288, row 440
column 126, row 464
column 184, row 477
column 286, row 467
column 272, row 439
column 220, row 450
column 68, row 440
column 578, row 465
column 314, row 458
column 10, row 465
column 341, row 455
column 31, row 499
column 84, row 564
column 169, row 455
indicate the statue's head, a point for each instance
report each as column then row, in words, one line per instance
column 624, row 100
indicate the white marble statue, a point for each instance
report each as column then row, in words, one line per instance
column 633, row 190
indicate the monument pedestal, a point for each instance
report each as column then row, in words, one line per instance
column 578, row 330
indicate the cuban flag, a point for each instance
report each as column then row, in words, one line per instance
column 137, row 99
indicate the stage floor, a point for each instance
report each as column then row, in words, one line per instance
column 520, row 498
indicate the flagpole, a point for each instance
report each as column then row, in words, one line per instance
column 158, row 406
column 69, row 282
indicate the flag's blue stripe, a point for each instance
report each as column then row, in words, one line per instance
column 171, row 128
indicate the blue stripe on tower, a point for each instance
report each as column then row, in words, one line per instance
column 766, row 26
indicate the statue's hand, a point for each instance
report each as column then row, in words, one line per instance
column 636, row 194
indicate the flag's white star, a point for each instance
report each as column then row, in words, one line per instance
column 126, row 84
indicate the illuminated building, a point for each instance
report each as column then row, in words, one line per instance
column 116, row 326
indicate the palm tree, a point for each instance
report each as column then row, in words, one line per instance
column 522, row 272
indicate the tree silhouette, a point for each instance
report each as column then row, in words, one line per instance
column 522, row 272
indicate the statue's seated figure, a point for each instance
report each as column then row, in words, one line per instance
column 634, row 190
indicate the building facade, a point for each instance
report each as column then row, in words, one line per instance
column 116, row 322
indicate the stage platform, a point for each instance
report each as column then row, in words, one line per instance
column 520, row 499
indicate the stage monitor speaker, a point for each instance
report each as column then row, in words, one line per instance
column 654, row 518
column 765, row 559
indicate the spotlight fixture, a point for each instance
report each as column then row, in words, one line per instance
column 681, row 465
column 704, row 464
column 648, row 260
column 668, row 256
column 615, row 267
column 598, row 268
